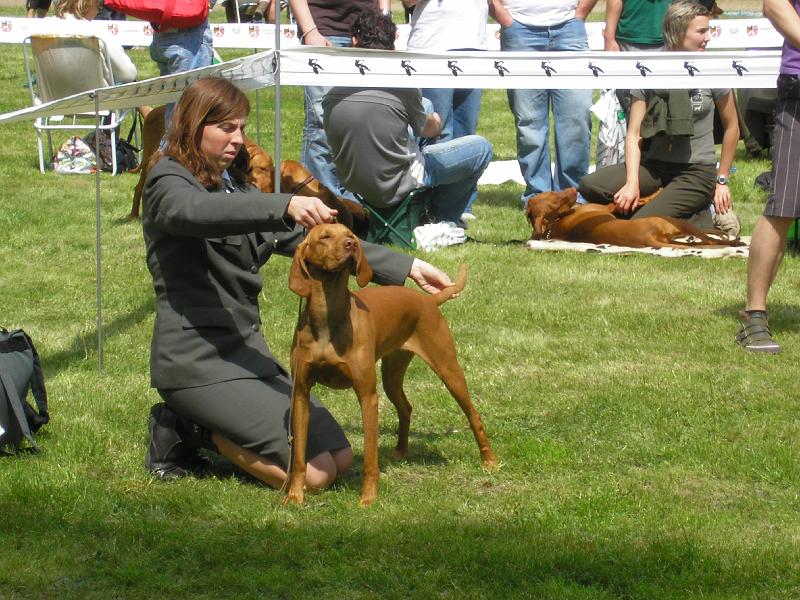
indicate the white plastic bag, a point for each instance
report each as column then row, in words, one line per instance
column 74, row 157
column 613, row 127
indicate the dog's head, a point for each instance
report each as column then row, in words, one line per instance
column 545, row 209
column 328, row 249
column 262, row 168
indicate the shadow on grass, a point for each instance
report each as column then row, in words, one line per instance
column 85, row 343
column 156, row 545
column 782, row 317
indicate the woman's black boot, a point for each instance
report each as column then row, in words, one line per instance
column 166, row 456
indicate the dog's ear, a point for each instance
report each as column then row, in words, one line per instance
column 362, row 271
column 299, row 279
column 535, row 215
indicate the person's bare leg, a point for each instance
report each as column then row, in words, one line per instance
column 321, row 471
column 767, row 248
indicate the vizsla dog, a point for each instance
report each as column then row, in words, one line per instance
column 295, row 178
column 342, row 334
column 553, row 215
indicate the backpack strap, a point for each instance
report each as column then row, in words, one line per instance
column 16, row 406
column 37, row 384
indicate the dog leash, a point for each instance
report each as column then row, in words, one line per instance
column 300, row 186
column 289, row 436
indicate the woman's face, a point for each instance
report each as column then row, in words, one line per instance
column 696, row 36
column 221, row 141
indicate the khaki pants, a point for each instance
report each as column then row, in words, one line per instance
column 687, row 190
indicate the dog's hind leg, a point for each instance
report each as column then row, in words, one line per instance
column 393, row 371
column 437, row 348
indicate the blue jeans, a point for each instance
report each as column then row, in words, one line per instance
column 178, row 50
column 571, row 116
column 316, row 154
column 459, row 109
column 452, row 170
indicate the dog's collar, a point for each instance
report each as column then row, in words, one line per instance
column 300, row 186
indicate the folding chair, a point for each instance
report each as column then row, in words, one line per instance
column 66, row 65
column 395, row 224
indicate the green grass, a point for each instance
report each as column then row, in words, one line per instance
column 643, row 454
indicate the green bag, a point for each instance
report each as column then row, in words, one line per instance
column 20, row 371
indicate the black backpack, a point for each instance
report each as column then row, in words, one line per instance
column 20, row 370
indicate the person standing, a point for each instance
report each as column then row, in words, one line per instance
column 175, row 50
column 325, row 23
column 634, row 25
column 442, row 25
column 768, row 244
column 547, row 26
column 37, row 9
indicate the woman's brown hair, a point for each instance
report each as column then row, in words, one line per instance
column 204, row 102
column 679, row 16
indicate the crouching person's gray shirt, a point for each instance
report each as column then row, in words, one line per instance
column 376, row 155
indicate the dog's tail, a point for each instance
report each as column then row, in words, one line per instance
column 454, row 289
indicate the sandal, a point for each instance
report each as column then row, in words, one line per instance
column 754, row 334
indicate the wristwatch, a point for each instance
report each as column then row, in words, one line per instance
column 722, row 180
column 386, row 12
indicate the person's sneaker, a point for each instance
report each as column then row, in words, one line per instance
column 468, row 216
column 727, row 223
column 754, row 334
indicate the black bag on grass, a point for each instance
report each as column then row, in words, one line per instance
column 20, row 371
column 127, row 153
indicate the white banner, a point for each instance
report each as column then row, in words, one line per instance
column 487, row 70
column 725, row 33
column 356, row 67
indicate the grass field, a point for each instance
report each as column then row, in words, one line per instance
column 643, row 454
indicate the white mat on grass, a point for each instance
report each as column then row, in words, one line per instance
column 560, row 245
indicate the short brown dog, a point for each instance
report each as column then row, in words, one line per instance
column 553, row 215
column 342, row 334
column 295, row 178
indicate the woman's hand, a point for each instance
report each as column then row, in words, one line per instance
column 315, row 38
column 428, row 277
column 722, row 199
column 309, row 211
column 627, row 198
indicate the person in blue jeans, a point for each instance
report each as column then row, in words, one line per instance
column 177, row 50
column 442, row 25
column 372, row 135
column 548, row 26
column 325, row 23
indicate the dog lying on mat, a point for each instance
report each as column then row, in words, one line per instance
column 341, row 334
column 295, row 178
column 553, row 215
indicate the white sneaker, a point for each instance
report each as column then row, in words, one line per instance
column 728, row 223
column 468, row 216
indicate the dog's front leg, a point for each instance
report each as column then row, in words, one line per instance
column 297, row 472
column 368, row 399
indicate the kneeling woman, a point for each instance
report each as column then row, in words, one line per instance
column 207, row 232
column 683, row 160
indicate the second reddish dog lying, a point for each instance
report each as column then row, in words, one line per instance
column 341, row 334
column 553, row 215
